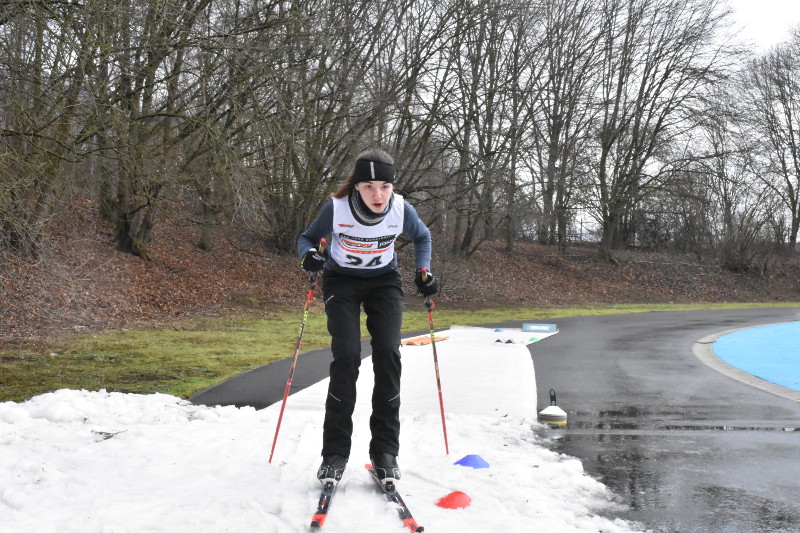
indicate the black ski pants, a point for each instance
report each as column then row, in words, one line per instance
column 382, row 298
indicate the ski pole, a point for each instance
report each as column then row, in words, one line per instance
column 312, row 286
column 430, row 305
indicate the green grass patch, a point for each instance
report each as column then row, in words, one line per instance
column 185, row 357
column 178, row 359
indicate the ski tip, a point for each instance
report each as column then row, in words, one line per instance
column 317, row 521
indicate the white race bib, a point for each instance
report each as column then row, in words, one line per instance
column 358, row 246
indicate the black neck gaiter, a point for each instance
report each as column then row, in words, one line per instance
column 363, row 213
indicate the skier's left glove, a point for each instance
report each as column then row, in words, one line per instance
column 428, row 286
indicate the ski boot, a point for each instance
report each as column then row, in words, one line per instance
column 331, row 469
column 385, row 467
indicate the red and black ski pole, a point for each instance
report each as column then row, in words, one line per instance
column 430, row 305
column 312, row 286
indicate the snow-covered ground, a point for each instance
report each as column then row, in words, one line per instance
column 116, row 463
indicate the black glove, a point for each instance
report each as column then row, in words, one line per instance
column 429, row 287
column 312, row 261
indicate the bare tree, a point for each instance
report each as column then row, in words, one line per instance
column 493, row 72
column 725, row 179
column 498, row 111
column 563, row 102
column 659, row 56
column 773, row 88
column 40, row 80
column 318, row 100
column 414, row 130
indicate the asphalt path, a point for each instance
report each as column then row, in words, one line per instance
column 683, row 446
column 266, row 384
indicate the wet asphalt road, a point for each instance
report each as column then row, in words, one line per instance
column 683, row 447
column 686, row 448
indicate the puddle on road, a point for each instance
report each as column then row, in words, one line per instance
column 653, row 428
column 739, row 510
column 637, row 420
column 664, row 472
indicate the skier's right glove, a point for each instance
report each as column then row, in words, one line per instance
column 312, row 261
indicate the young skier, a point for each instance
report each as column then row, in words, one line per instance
column 364, row 217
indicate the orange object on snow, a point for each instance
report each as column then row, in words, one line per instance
column 454, row 500
column 422, row 339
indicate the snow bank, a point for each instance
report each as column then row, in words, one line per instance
column 79, row 461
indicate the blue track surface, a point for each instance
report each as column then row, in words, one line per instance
column 771, row 352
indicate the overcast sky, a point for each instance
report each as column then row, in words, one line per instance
column 766, row 22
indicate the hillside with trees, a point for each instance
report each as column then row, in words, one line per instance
column 160, row 158
column 84, row 284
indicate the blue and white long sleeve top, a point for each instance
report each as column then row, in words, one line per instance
column 365, row 250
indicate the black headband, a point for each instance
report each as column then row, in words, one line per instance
column 367, row 170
